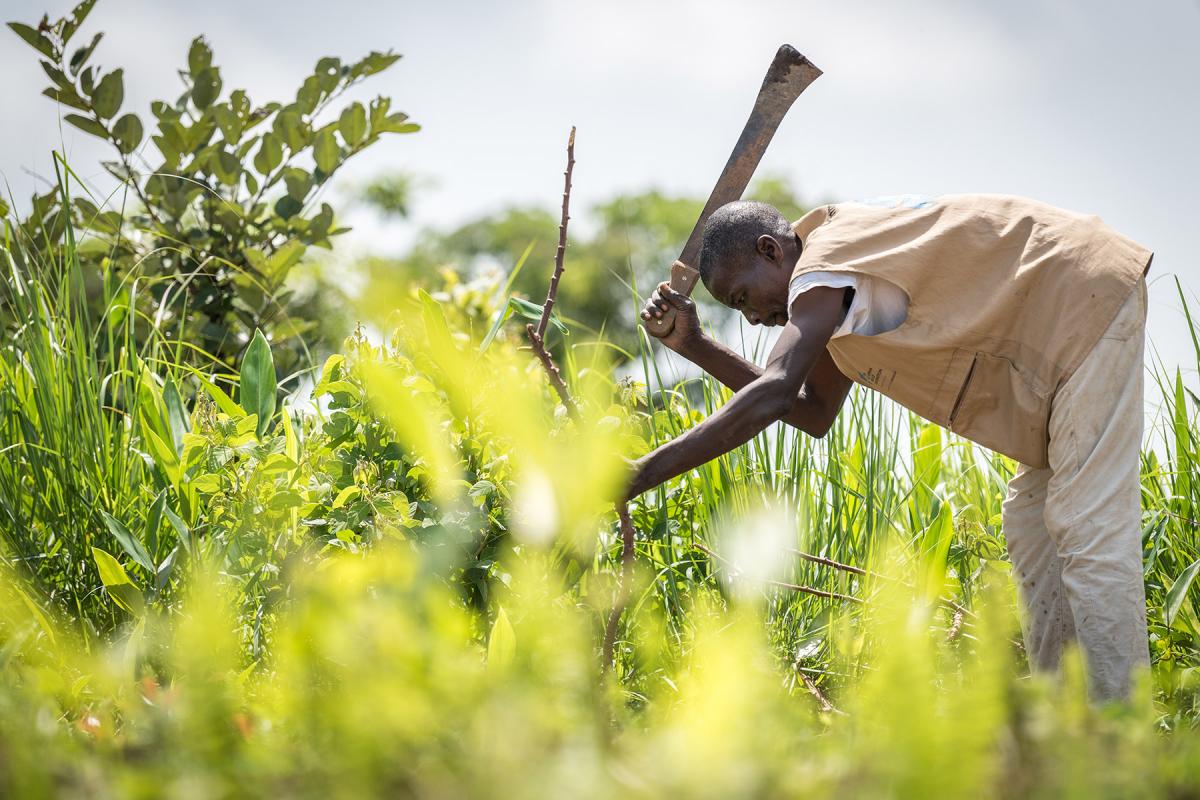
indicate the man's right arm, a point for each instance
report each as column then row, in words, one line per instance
column 819, row 401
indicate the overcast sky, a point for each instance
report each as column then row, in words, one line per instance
column 1092, row 106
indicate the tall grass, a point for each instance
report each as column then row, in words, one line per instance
column 365, row 674
column 76, row 395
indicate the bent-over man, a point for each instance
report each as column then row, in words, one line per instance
column 1015, row 324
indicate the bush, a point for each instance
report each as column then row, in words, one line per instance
column 214, row 225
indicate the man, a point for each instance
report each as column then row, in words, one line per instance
column 1018, row 325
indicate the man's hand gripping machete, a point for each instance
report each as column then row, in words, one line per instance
column 789, row 75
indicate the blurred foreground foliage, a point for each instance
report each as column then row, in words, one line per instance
column 402, row 589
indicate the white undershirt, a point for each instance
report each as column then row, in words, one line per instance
column 878, row 305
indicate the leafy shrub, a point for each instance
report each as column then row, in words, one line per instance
column 232, row 202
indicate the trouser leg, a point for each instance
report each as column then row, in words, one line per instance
column 1093, row 501
column 1046, row 620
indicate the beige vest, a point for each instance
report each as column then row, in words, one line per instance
column 1006, row 296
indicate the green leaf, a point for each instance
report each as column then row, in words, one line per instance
column 177, row 417
column 346, row 495
column 1178, row 593
column 128, row 542
column 80, row 57
column 206, row 87
column 329, row 72
column 935, row 544
column 199, row 56
column 227, row 167
column 163, row 574
column 270, row 154
column 481, row 488
column 78, row 15
column 502, row 643
column 292, row 129
column 396, row 123
column 154, row 522
column 282, row 260
column 35, row 39
column 164, row 456
column 219, row 396
column 309, row 94
column 181, row 528
column 258, row 382
column 533, row 312
column 109, row 94
column 117, row 583
column 326, row 152
column 87, row 124
column 55, row 75
column 128, row 133
column 375, row 62
column 287, row 207
column 298, row 183
column 67, row 96
column 353, row 124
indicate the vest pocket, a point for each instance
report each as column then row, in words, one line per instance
column 997, row 408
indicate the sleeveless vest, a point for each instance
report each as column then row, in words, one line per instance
column 1006, row 297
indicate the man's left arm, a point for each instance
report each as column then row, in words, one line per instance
column 812, row 319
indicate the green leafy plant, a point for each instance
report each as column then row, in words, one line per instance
column 230, row 202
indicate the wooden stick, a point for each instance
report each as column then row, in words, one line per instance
column 623, row 588
column 561, row 252
column 795, row 587
column 552, row 371
column 537, row 334
column 816, row 692
column 829, row 562
column 956, row 626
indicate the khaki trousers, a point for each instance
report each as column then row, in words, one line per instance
column 1074, row 528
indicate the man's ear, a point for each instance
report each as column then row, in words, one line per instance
column 769, row 248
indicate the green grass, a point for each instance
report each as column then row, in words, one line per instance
column 404, row 593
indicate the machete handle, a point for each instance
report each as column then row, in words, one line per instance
column 683, row 280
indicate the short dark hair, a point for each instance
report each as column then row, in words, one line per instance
column 731, row 231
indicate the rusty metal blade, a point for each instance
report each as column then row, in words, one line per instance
column 789, row 75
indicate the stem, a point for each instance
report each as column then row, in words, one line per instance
column 560, row 253
column 795, row 587
column 552, row 371
column 537, row 334
column 623, row 588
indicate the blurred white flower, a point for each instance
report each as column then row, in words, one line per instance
column 754, row 547
column 534, row 508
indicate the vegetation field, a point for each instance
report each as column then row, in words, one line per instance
column 239, row 561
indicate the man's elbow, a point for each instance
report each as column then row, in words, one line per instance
column 777, row 399
column 817, row 420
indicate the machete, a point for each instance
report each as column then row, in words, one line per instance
column 789, row 75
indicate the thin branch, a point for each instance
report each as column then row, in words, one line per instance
column 795, row 587
column 829, row 562
column 623, row 588
column 956, row 626
column 823, row 701
column 537, row 334
column 560, row 253
column 552, row 371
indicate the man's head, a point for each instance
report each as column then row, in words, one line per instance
column 746, row 259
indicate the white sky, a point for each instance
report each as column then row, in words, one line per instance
column 1091, row 106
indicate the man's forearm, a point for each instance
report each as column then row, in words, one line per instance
column 736, row 372
column 745, row 416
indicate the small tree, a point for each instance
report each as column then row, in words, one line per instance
column 231, row 202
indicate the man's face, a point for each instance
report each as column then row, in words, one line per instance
column 757, row 288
